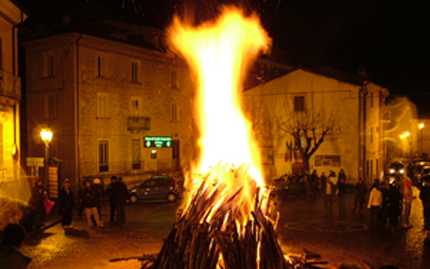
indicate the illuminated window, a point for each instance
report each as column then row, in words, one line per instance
column 299, row 103
column 135, row 154
column 134, row 72
column 103, row 156
column 102, row 105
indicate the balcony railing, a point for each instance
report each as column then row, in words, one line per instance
column 139, row 124
column 10, row 85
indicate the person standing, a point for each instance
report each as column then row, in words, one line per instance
column 67, row 203
column 394, row 206
column 110, row 193
column 360, row 196
column 341, row 176
column 375, row 205
column 407, row 196
column 329, row 191
column 97, row 184
column 90, row 204
column 10, row 256
column 120, row 194
column 384, row 187
column 314, row 184
column 341, row 193
column 425, row 199
column 38, row 194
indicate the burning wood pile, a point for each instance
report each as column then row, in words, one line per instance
column 226, row 222
column 214, row 233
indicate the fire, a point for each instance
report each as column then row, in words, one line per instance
column 219, row 52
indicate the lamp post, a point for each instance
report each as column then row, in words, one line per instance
column 46, row 136
column 421, row 126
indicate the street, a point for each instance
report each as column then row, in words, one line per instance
column 303, row 225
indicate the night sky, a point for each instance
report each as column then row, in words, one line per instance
column 388, row 38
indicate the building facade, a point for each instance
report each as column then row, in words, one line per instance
column 314, row 100
column 114, row 108
column 10, row 96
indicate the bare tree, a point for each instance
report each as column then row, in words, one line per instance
column 308, row 129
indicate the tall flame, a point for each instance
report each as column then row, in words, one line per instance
column 219, row 53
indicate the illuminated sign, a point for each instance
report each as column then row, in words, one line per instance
column 158, row 142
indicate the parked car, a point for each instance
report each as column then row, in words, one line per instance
column 155, row 188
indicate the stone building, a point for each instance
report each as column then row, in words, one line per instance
column 11, row 16
column 117, row 104
column 313, row 100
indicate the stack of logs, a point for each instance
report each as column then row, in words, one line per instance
column 209, row 237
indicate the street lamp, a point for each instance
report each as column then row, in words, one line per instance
column 46, row 136
column 421, row 126
column 406, row 135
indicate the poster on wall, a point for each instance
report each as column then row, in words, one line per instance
column 327, row 160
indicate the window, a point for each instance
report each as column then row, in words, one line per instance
column 48, row 70
column 102, row 104
column 299, row 103
column 134, row 72
column 103, row 156
column 136, row 106
column 51, row 106
column 174, row 80
column 100, row 66
column 371, row 99
column 175, row 112
column 135, row 154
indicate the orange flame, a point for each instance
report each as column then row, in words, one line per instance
column 219, row 53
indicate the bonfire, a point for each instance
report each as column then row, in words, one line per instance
column 227, row 221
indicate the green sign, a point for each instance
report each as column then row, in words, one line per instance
column 158, row 142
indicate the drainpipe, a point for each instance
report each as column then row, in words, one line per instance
column 77, row 130
column 362, row 94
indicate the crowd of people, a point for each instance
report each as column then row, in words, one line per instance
column 92, row 196
column 389, row 203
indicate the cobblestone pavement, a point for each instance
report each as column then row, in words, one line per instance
column 338, row 238
column 345, row 237
column 146, row 226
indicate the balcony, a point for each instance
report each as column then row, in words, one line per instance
column 139, row 123
column 10, row 85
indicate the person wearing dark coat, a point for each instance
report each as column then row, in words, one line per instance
column 38, row 194
column 109, row 193
column 90, row 204
column 360, row 196
column 394, row 206
column 425, row 199
column 67, row 203
column 120, row 194
column 341, row 193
